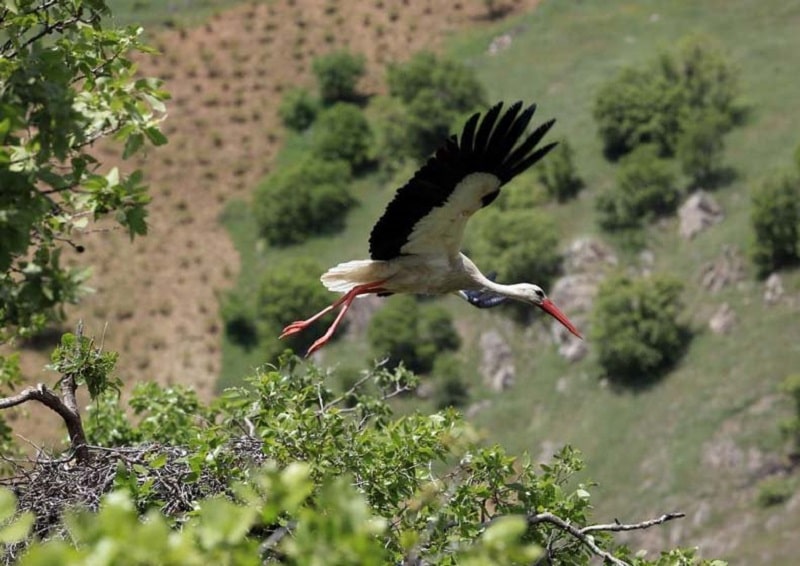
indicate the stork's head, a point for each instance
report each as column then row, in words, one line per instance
column 533, row 294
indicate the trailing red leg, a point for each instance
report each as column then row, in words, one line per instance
column 345, row 299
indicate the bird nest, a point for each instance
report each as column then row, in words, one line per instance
column 48, row 487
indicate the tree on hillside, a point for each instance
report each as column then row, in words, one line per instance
column 410, row 334
column 337, row 75
column 654, row 103
column 298, row 109
column 775, row 218
column 343, row 133
column 645, row 189
column 435, row 93
column 67, row 82
column 558, row 173
column 307, row 198
column 637, row 329
column 700, row 146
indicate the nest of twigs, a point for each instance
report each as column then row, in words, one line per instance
column 50, row 486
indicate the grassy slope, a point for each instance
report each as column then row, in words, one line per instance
column 651, row 444
column 646, row 450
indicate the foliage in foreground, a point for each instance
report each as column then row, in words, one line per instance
column 336, row 478
column 636, row 327
column 66, row 81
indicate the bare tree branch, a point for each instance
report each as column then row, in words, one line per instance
column 584, row 534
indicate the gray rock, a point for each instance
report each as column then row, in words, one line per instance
column 497, row 361
column 773, row 289
column 699, row 212
column 727, row 269
column 723, row 320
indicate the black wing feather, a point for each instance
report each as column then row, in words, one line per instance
column 485, row 146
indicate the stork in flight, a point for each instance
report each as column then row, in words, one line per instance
column 415, row 246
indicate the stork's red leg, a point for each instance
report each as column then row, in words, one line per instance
column 347, row 298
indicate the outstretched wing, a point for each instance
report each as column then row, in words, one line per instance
column 429, row 213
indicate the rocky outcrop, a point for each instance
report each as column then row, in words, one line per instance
column 723, row 320
column 699, row 212
column 727, row 269
column 773, row 289
column 497, row 362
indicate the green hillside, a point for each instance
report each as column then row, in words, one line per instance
column 701, row 439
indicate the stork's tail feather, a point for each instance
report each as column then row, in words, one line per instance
column 343, row 277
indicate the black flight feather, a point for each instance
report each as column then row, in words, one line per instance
column 486, row 145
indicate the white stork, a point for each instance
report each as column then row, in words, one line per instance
column 415, row 246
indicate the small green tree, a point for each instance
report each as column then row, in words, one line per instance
column 559, row 175
column 298, row 109
column 343, row 133
column 636, row 327
column 700, row 146
column 66, row 81
column 775, row 218
column 414, row 334
column 654, row 103
column 289, row 291
column 436, row 94
column 337, row 75
column 791, row 427
column 645, row 189
column 307, row 198
column 450, row 388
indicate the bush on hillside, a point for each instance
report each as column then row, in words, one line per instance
column 636, row 327
column 298, row 109
column 287, row 292
column 775, row 218
column 337, row 75
column 645, row 188
column 308, row 198
column 558, row 173
column 342, row 133
column 653, row 104
column 700, row 146
column 436, row 94
column 414, row 334
column 450, row 388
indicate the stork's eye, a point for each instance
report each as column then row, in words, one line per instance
column 539, row 293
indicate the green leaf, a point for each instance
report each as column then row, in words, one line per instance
column 18, row 529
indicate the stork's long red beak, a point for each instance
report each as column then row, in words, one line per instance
column 550, row 308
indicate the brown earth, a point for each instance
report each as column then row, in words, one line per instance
column 158, row 296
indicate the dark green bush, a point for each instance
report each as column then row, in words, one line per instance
column 646, row 188
column 343, row 133
column 558, row 173
column 651, row 104
column 436, row 95
column 700, row 146
column 337, row 75
column 636, row 327
column 412, row 333
column 308, row 198
column 298, row 109
column 450, row 388
column 775, row 218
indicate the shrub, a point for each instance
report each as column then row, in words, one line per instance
column 559, row 175
column 337, row 75
column 700, row 146
column 240, row 323
column 651, row 104
column 308, row 198
column 343, row 133
column 791, row 427
column 298, row 109
column 774, row 491
column 775, row 218
column 450, row 388
column 636, row 328
column 411, row 333
column 287, row 292
column 645, row 189
column 436, row 94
